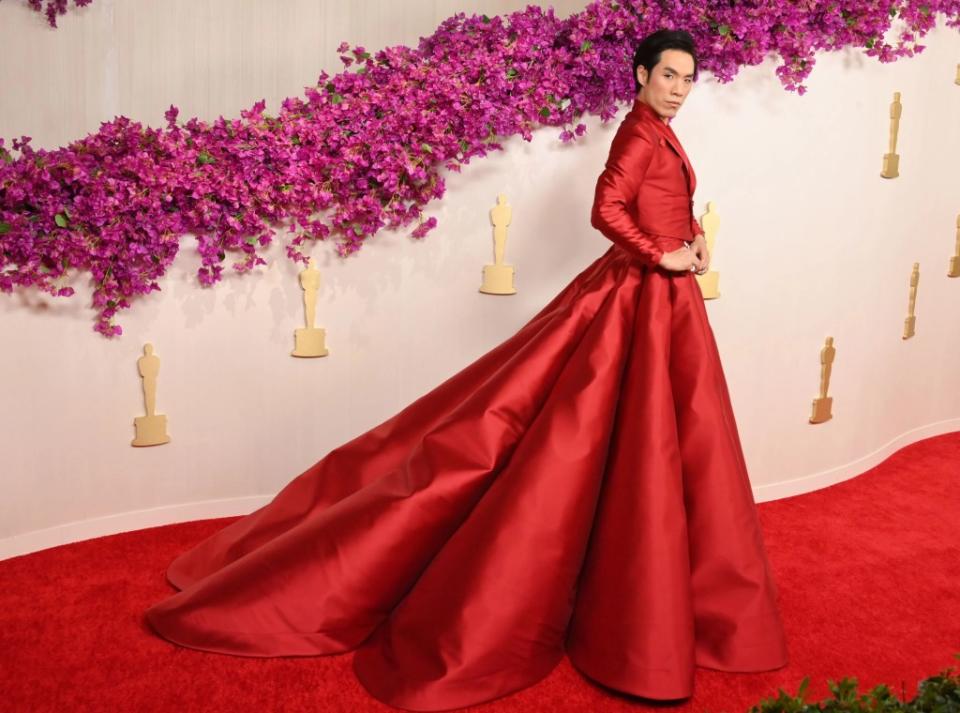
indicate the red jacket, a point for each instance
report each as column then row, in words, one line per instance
column 646, row 189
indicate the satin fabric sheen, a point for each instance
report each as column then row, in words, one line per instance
column 645, row 192
column 580, row 489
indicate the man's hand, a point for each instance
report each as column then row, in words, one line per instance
column 681, row 259
column 699, row 246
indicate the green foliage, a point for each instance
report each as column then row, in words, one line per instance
column 936, row 694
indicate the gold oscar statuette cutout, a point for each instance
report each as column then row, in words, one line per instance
column 309, row 340
column 954, row 270
column 823, row 404
column 891, row 160
column 910, row 323
column 498, row 277
column 151, row 430
column 710, row 281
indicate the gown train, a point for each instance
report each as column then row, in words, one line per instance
column 579, row 489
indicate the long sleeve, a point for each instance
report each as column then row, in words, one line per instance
column 617, row 187
column 694, row 225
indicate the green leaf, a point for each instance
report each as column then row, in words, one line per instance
column 545, row 112
column 486, row 19
column 252, row 240
column 512, row 73
column 724, row 29
column 5, row 155
column 330, row 87
column 893, row 11
column 4, row 228
column 336, row 98
column 587, row 44
column 203, row 158
column 60, row 219
column 426, row 147
column 464, row 145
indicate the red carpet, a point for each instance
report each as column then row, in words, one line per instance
column 867, row 572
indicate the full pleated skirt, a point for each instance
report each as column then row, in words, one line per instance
column 580, row 489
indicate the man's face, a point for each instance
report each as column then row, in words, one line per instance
column 667, row 86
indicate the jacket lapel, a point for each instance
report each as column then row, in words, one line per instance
column 648, row 113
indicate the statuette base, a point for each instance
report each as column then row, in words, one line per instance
column 309, row 342
column 909, row 327
column 498, row 280
column 821, row 410
column 151, row 430
column 891, row 165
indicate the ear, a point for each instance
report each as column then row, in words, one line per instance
column 642, row 75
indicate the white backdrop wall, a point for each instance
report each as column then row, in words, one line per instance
column 812, row 242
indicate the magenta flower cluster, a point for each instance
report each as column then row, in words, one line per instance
column 366, row 149
column 54, row 8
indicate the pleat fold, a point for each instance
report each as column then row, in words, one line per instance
column 578, row 489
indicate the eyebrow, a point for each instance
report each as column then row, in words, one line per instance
column 668, row 68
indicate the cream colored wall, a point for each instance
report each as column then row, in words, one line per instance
column 812, row 243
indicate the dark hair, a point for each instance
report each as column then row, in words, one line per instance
column 652, row 46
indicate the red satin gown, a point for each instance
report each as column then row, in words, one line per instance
column 580, row 489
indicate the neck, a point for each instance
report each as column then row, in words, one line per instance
column 641, row 99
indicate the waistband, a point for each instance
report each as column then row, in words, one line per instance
column 668, row 243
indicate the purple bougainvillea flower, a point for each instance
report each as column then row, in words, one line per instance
column 54, row 8
column 365, row 149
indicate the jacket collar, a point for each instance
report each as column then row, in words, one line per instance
column 645, row 112
column 648, row 112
